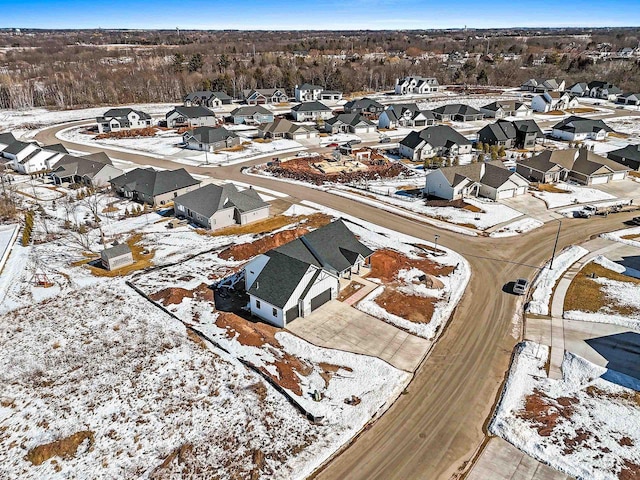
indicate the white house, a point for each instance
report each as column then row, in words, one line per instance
column 349, row 123
column 307, row 92
column 580, row 89
column 486, row 179
column 117, row 119
column 197, row 116
column 416, row 85
column 405, row 115
column 438, row 140
column 603, row 90
column 506, row 108
column 29, row 157
column 299, row 277
column 311, row 112
column 629, row 98
column 578, row 128
column 549, row 101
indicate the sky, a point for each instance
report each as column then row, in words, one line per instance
column 315, row 15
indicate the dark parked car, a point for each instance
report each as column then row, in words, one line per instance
column 635, row 221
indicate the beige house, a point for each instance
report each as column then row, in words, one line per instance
column 146, row 185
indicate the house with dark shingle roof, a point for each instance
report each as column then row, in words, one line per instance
column 578, row 164
column 215, row 206
column 406, row 115
column 210, row 139
column 117, row 119
column 485, row 179
column 251, row 115
column 94, row 170
column 309, row 93
column 311, row 112
column 541, row 85
column 438, row 140
column 349, row 123
column 207, row 98
column 6, row 139
column 506, row 108
column 519, row 133
column 364, row 106
column 283, row 128
column 154, row 187
column 30, row 157
column 629, row 98
column 628, row 156
column 579, row 128
column 195, row 116
column 457, row 112
column 603, row 90
column 297, row 278
column 264, row 96
column 579, row 89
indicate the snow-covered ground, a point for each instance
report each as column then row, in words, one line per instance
column 627, row 125
column 111, row 364
column 582, row 424
column 517, row 228
column 546, row 280
column 618, row 235
column 575, row 194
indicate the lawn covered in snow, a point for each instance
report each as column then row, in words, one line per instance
column 582, row 424
column 575, row 194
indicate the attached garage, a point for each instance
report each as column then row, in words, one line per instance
column 291, row 314
column 599, row 180
column 320, row 299
column 506, row 194
column 619, row 176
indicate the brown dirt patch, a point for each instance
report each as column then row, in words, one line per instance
column 64, row 448
column 631, row 397
column 135, row 133
column 182, row 454
column 142, row 258
column 631, row 237
column 244, row 251
column 260, row 335
column 349, row 290
column 571, row 443
column 328, row 370
column 461, row 204
column 544, row 413
column 630, row 471
column 175, row 295
column 548, row 187
column 412, row 308
column 633, row 174
column 626, row 442
column 386, row 263
column 274, row 223
column 583, row 110
column 586, row 295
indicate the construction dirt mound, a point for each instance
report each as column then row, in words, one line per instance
column 386, row 263
column 175, row 295
column 410, row 307
column 245, row 251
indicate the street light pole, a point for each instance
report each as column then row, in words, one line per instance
column 555, row 245
column 435, row 243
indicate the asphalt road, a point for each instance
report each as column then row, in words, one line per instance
column 434, row 430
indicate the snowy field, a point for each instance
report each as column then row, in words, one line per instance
column 627, row 125
column 575, row 195
column 517, row 228
column 582, row 424
column 546, row 280
column 618, row 236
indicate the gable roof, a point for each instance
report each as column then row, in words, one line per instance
column 123, row 112
column 152, row 182
column 211, row 198
column 630, row 152
column 436, row 136
column 250, row 110
column 115, row 251
column 7, row 138
column 581, row 125
column 508, row 105
column 58, row 147
column 456, row 109
column 16, row 147
column 282, row 125
column 207, row 94
column 192, row 112
column 352, row 119
column 579, row 160
column 363, row 103
column 210, row 134
column 493, row 174
column 88, row 166
column 311, row 107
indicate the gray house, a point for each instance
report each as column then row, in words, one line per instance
column 116, row 257
column 364, row 106
column 520, row 133
column 146, row 185
column 210, row 139
column 197, row 116
column 439, row 140
column 117, row 119
column 349, row 123
column 283, row 128
column 214, row 206
column 207, row 99
column 95, row 170
column 251, row 114
column 457, row 112
column 628, row 156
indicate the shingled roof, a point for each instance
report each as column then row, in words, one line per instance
column 150, row 182
column 209, row 135
column 211, row 198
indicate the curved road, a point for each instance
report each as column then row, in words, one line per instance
column 434, row 430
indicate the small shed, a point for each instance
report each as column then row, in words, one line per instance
column 116, row 257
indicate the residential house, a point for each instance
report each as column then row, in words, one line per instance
column 518, row 134
column 550, row 101
column 485, row 179
column 95, row 170
column 364, row 106
column 207, row 99
column 416, row 85
column 154, row 187
column 30, row 158
column 264, row 96
column 330, row 96
column 117, row 119
column 576, row 164
column 603, row 90
column 6, row 139
column 405, row 115
column 214, row 206
column 210, row 139
column 457, row 112
column 311, row 112
column 192, row 117
column 628, row 156
column 313, row 93
column 251, row 115
column 506, row 108
column 438, row 140
column 627, row 99
column 283, row 128
column 540, row 85
column 297, row 278
column 575, row 128
column 115, row 257
column 580, row 89
column 349, row 123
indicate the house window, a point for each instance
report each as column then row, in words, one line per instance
column 275, row 312
column 257, row 303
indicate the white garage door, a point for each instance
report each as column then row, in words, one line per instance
column 522, row 190
column 506, row 194
column 618, row 176
column 600, row 180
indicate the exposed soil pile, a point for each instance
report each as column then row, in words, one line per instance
column 461, row 204
column 544, row 412
column 175, row 295
column 328, row 370
column 261, row 335
column 410, row 307
column 302, row 169
column 386, row 263
column 64, row 448
column 245, row 251
column 274, row 223
column 135, row 133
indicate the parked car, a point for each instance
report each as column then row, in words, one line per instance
column 635, row 221
column 385, row 140
column 520, row 286
column 333, row 145
column 354, row 142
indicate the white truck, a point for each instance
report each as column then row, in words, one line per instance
column 604, row 208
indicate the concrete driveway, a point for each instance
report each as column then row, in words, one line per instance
column 337, row 325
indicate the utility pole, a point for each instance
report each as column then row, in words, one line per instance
column 435, row 243
column 555, row 245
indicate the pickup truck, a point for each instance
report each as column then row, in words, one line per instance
column 602, row 209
